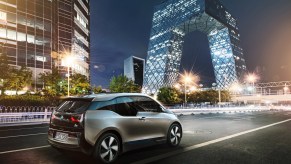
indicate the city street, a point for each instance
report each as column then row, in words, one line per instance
column 250, row 137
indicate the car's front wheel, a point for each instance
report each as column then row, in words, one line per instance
column 174, row 135
column 107, row 149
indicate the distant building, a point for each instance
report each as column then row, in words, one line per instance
column 38, row 33
column 134, row 69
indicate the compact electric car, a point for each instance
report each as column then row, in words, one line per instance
column 106, row 125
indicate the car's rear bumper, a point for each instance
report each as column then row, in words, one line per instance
column 72, row 142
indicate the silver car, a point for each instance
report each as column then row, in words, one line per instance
column 106, row 125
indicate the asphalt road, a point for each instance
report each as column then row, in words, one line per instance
column 252, row 137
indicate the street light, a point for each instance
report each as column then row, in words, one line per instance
column 68, row 61
column 236, row 88
column 252, row 78
column 219, row 93
column 188, row 78
column 286, row 89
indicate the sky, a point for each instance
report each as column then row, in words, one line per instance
column 121, row 28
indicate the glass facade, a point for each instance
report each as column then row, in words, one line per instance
column 172, row 20
column 35, row 34
column 134, row 69
column 72, row 35
column 26, row 34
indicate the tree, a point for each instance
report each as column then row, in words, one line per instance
column 4, row 72
column 80, row 84
column 97, row 89
column 168, row 95
column 121, row 84
column 18, row 79
column 211, row 96
column 53, row 82
column 11, row 77
column 225, row 96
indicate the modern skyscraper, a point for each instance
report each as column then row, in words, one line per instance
column 172, row 20
column 71, row 35
column 26, row 34
column 134, row 69
column 39, row 33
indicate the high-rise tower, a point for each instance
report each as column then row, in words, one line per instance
column 172, row 20
column 39, row 33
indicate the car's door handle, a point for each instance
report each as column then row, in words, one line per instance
column 142, row 118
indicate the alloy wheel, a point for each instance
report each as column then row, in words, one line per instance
column 175, row 135
column 109, row 149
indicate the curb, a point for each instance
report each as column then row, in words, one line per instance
column 22, row 124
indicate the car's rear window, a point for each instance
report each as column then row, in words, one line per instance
column 73, row 106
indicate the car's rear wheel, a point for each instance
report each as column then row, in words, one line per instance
column 107, row 148
column 174, row 135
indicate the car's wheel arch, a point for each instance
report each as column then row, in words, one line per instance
column 114, row 131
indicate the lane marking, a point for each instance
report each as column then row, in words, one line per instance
column 23, row 135
column 24, row 128
column 31, row 148
column 186, row 149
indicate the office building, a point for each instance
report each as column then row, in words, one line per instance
column 134, row 69
column 39, row 33
column 172, row 20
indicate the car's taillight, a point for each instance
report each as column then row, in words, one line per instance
column 77, row 118
column 53, row 116
column 73, row 119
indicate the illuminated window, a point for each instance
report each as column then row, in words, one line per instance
column 81, row 20
column 21, row 37
column 11, row 34
column 3, row 16
column 2, row 33
column 30, row 39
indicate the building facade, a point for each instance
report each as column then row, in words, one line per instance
column 71, row 37
column 134, row 69
column 172, row 20
column 37, row 34
column 26, row 34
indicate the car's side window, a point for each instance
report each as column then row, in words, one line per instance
column 102, row 105
column 124, row 106
column 145, row 104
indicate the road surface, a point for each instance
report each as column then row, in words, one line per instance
column 251, row 137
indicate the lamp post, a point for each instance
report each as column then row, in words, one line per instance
column 286, row 89
column 186, row 79
column 252, row 78
column 68, row 62
column 219, row 93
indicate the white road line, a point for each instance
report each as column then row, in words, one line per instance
column 31, row 148
column 170, row 154
column 24, row 128
column 23, row 135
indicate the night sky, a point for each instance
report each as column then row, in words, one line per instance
column 121, row 28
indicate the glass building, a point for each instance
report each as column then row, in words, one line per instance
column 134, row 69
column 26, row 34
column 36, row 34
column 172, row 20
column 71, row 35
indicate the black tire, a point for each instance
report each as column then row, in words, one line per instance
column 107, row 148
column 174, row 135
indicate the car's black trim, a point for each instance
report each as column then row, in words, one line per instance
column 132, row 145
